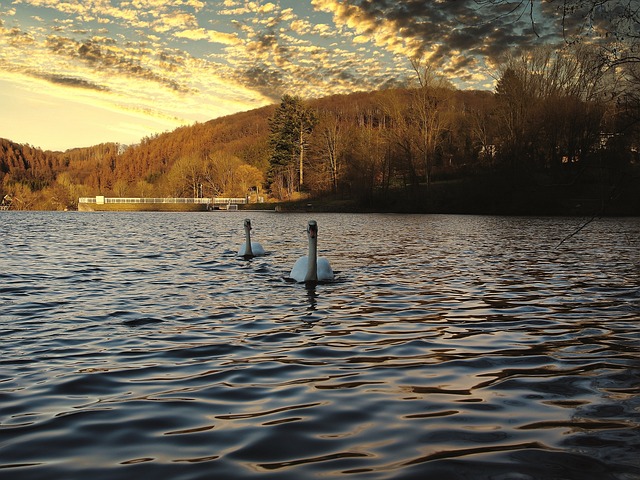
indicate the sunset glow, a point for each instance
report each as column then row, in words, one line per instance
column 76, row 73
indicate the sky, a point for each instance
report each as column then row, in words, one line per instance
column 76, row 73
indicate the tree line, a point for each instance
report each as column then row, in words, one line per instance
column 560, row 124
column 220, row 157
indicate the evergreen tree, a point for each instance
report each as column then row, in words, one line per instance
column 290, row 126
column 513, row 104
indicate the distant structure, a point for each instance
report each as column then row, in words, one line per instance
column 5, row 204
column 101, row 203
column 121, row 148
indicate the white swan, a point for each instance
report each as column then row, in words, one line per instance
column 249, row 249
column 312, row 268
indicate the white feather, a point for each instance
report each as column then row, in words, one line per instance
column 249, row 248
column 311, row 268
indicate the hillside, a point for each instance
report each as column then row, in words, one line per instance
column 394, row 150
column 38, row 179
column 113, row 169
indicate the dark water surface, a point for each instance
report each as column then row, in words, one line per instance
column 136, row 345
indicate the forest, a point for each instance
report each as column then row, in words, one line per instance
column 560, row 134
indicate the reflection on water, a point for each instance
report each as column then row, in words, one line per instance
column 457, row 347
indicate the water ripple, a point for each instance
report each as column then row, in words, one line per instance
column 138, row 345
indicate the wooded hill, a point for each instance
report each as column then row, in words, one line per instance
column 534, row 146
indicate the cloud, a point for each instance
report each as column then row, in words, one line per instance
column 286, row 52
column 104, row 58
column 69, row 81
column 193, row 58
column 272, row 50
column 267, row 8
column 174, row 20
column 264, row 79
column 441, row 31
column 209, row 35
column 18, row 38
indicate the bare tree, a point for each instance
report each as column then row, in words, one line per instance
column 331, row 134
column 185, row 176
column 220, row 173
column 550, row 105
column 431, row 105
column 402, row 136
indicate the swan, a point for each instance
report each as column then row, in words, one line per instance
column 249, row 248
column 312, row 268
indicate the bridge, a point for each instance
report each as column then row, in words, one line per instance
column 100, row 202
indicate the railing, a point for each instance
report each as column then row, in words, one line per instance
column 229, row 201
column 215, row 200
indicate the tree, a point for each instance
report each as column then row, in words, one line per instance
column 22, row 197
column 65, row 192
column 610, row 28
column 401, row 135
column 367, row 163
column 432, row 103
column 290, row 128
column 186, row 176
column 226, row 174
column 120, row 188
column 550, row 106
column 511, row 95
column 247, row 178
column 329, row 146
column 482, row 128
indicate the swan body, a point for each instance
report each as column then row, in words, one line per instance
column 249, row 248
column 311, row 268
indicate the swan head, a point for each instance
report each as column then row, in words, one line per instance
column 247, row 224
column 312, row 229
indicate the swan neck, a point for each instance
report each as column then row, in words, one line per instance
column 312, row 263
column 247, row 249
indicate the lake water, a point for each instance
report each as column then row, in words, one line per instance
column 136, row 345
